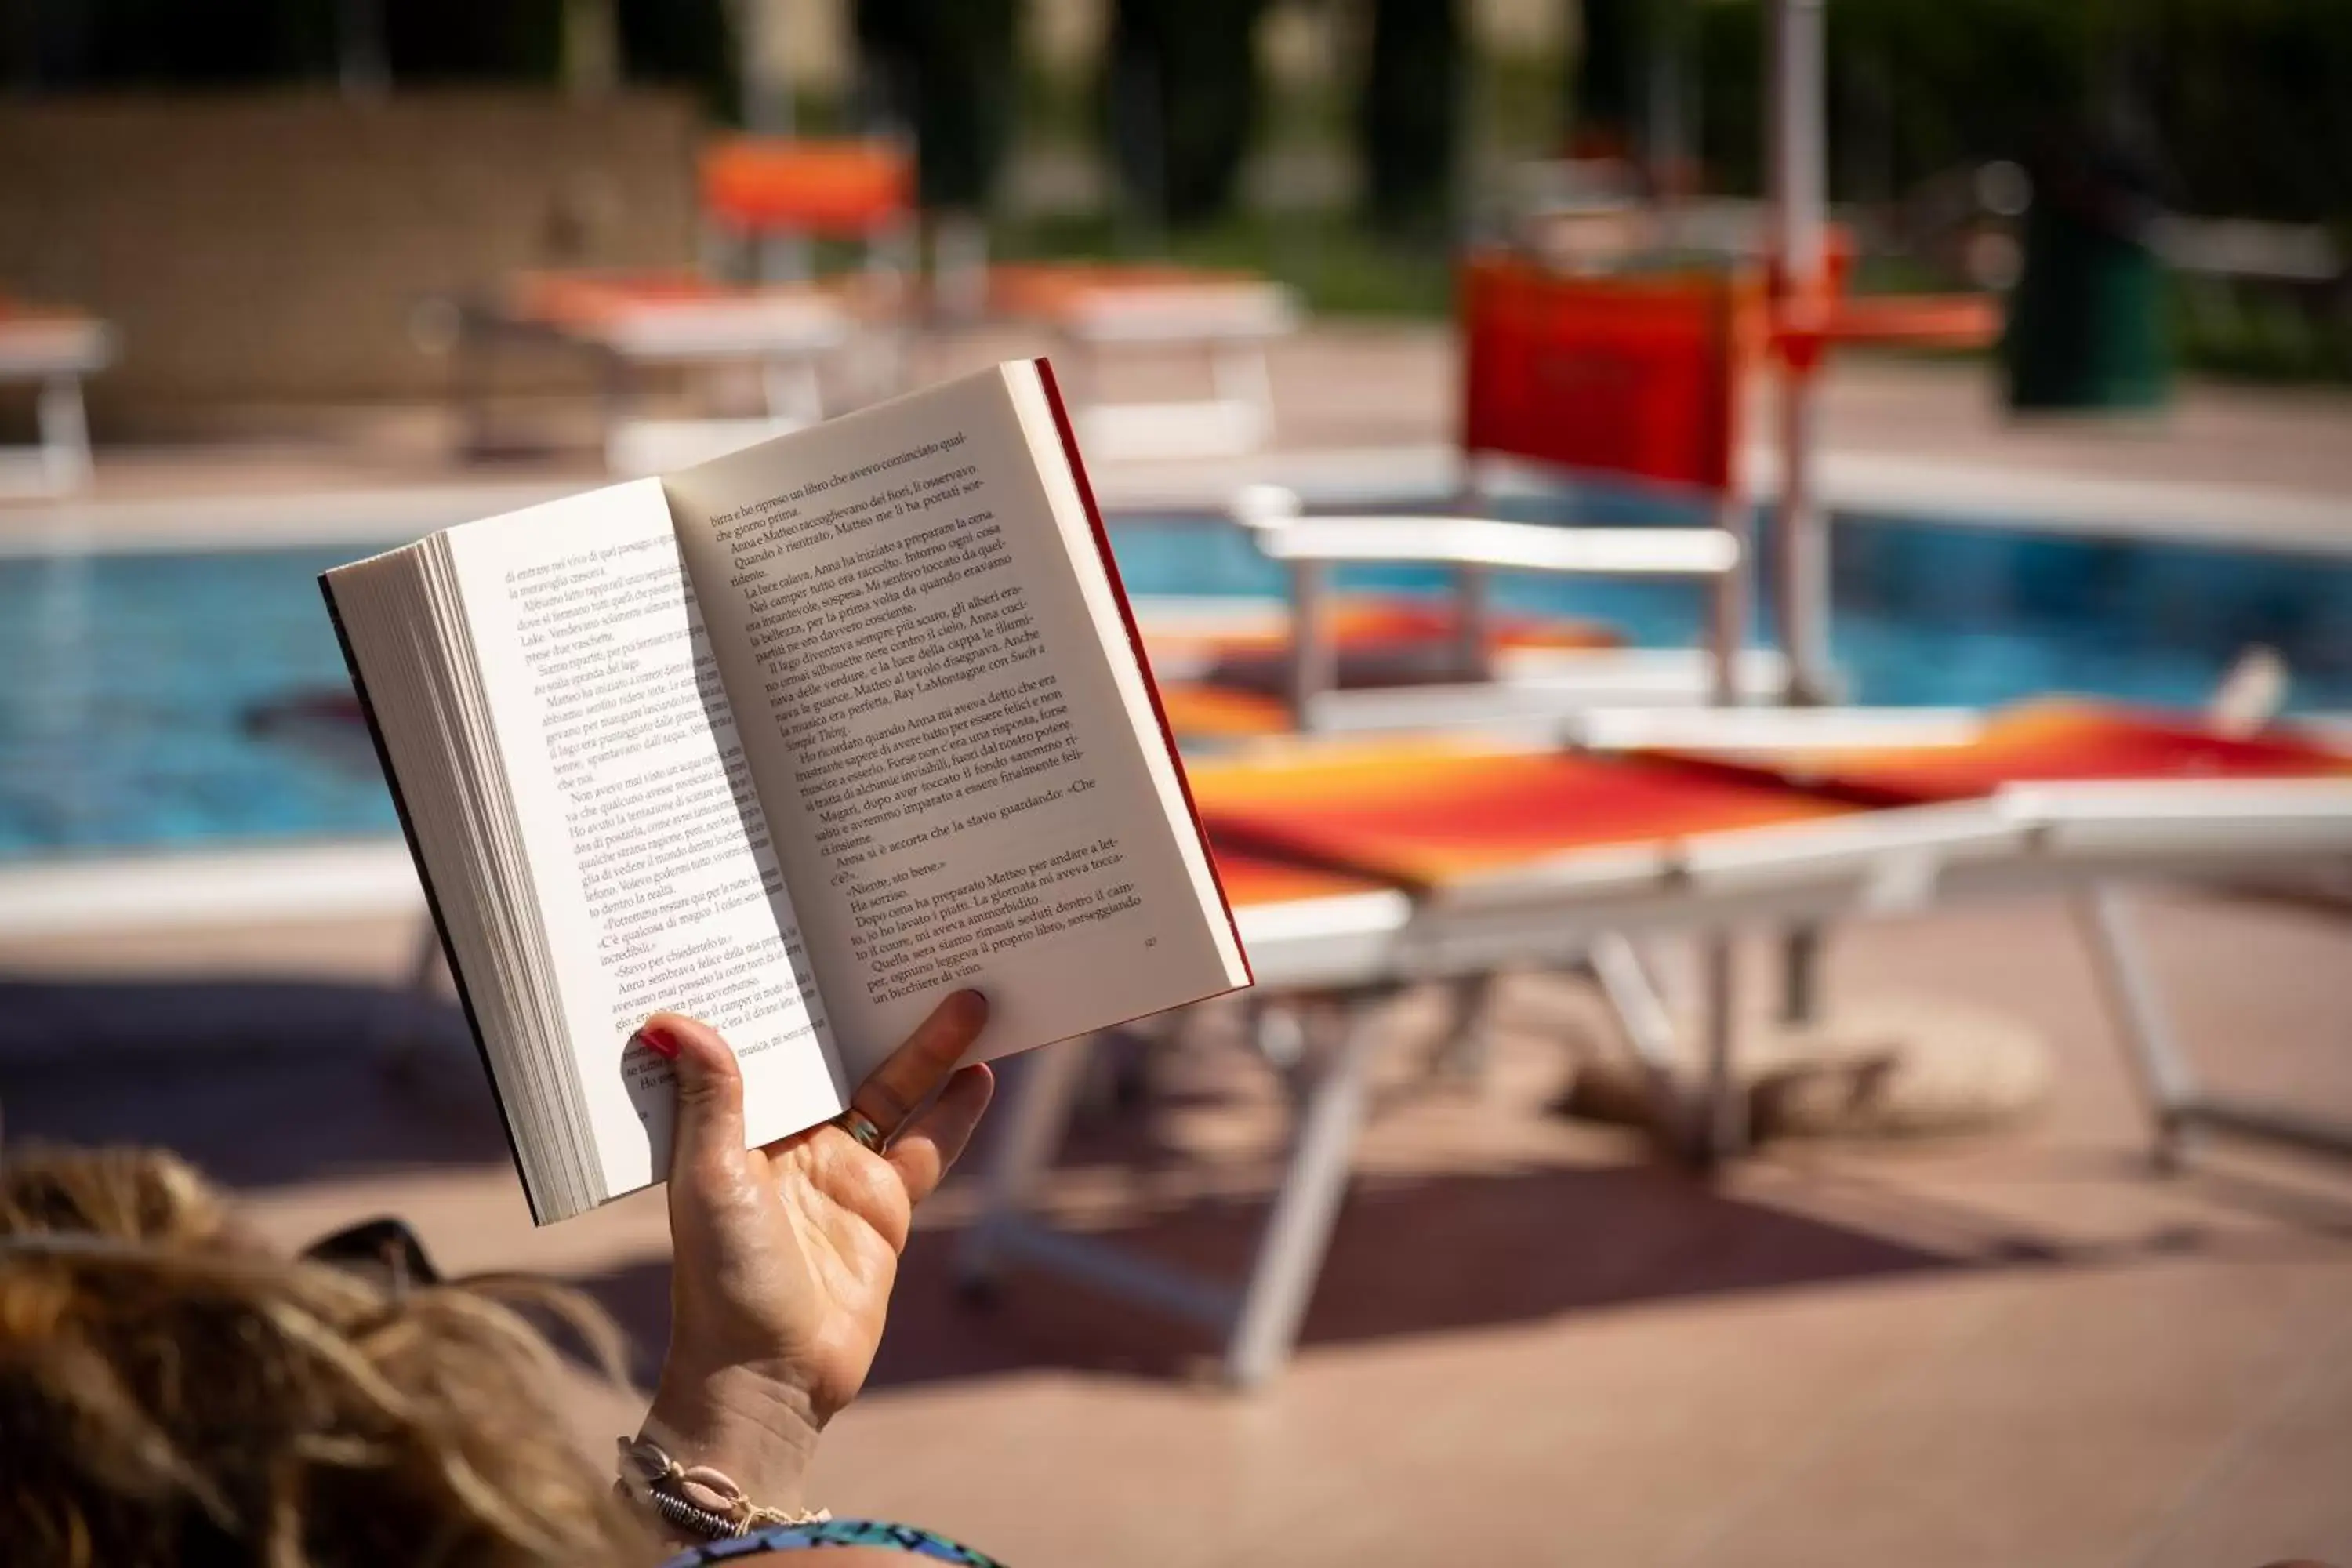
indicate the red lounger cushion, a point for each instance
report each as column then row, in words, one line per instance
column 1427, row 812
column 2055, row 741
column 1251, row 879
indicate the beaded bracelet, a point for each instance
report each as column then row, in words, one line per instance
column 697, row 1499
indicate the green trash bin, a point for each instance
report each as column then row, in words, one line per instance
column 2088, row 322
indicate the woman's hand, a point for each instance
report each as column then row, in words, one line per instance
column 783, row 1256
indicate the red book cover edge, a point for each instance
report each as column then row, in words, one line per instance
column 1135, row 641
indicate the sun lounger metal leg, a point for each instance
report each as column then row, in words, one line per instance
column 791, row 391
column 1474, row 617
column 1244, row 381
column 1801, row 542
column 425, row 960
column 1800, row 973
column 784, row 257
column 1727, row 635
column 1261, row 1321
column 1467, row 1048
column 391, row 1033
column 1314, row 655
column 470, row 383
column 65, row 433
column 1033, row 1121
column 1299, row 1232
column 2181, row 1109
column 1722, row 1131
column 1648, row 1026
column 2139, row 1015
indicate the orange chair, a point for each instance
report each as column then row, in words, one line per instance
column 755, row 186
column 1631, row 378
column 773, row 192
column 1636, row 378
column 1642, row 377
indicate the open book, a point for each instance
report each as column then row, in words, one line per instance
column 797, row 742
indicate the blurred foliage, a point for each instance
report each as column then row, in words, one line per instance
column 165, row 43
column 1337, row 264
column 1519, row 110
column 948, row 71
column 2253, row 101
column 2249, row 101
column 1181, row 95
column 677, row 43
column 1410, row 113
column 2247, row 104
column 2243, row 107
column 1058, row 108
column 2263, row 333
column 69, row 44
column 1607, row 84
column 467, row 40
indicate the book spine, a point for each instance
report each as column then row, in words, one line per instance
column 1135, row 639
column 432, row 901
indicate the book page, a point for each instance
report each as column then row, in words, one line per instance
column 650, row 858
column 962, row 793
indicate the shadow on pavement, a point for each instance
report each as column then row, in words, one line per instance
column 1409, row 1257
column 261, row 1083
column 270, row 1084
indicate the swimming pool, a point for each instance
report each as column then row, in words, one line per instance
column 128, row 681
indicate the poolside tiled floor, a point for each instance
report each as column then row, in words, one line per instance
column 1530, row 1345
column 1384, row 396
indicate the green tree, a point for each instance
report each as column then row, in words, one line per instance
column 1410, row 116
column 948, row 71
column 1181, row 95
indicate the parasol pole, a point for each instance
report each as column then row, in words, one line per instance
column 1796, row 101
column 1795, row 96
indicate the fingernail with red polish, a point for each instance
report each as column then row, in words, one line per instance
column 658, row 1038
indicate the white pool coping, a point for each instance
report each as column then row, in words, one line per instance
column 273, row 521
column 358, row 879
column 2039, row 500
column 2229, row 517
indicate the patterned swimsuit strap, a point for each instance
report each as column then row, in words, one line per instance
column 871, row 1532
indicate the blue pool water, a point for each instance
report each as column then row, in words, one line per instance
column 128, row 681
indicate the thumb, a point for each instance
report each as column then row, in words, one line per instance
column 708, row 1139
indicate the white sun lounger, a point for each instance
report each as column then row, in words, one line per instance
column 782, row 335
column 1329, row 961
column 1231, row 321
column 54, row 351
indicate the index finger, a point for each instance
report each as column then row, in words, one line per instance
column 912, row 1072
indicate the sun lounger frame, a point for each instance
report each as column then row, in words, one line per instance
column 697, row 333
column 1331, row 961
column 1474, row 549
column 1231, row 323
column 55, row 353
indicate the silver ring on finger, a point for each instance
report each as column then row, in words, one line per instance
column 860, row 1126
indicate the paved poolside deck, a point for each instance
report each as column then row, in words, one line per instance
column 1530, row 1344
column 1363, row 409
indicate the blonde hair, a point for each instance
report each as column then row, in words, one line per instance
column 173, row 1395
